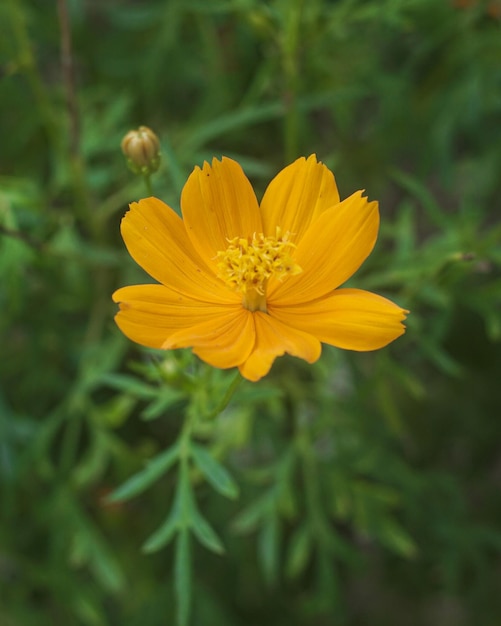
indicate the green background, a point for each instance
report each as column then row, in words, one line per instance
column 368, row 484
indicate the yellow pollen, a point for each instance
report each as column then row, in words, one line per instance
column 247, row 264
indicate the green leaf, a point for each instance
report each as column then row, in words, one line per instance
column 249, row 519
column 205, row 533
column 182, row 577
column 152, row 472
column 268, row 549
column 394, row 537
column 299, row 552
column 95, row 461
column 181, row 515
column 166, row 399
column 116, row 410
column 232, row 120
column 130, row 385
column 249, row 395
column 441, row 358
column 217, row 475
column 88, row 545
column 164, row 534
column 416, row 188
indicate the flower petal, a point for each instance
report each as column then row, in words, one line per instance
column 351, row 319
column 218, row 204
column 149, row 314
column 156, row 239
column 273, row 338
column 331, row 250
column 224, row 341
column 297, row 196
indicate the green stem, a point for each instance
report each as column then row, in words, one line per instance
column 24, row 237
column 174, row 169
column 27, row 65
column 185, row 439
column 67, row 67
column 71, row 439
column 290, row 60
column 183, row 577
column 225, row 400
column 147, row 182
column 311, row 481
column 183, row 568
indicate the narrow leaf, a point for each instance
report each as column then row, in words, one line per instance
column 89, row 546
column 239, row 118
column 299, row 552
column 164, row 534
column 217, row 475
column 395, row 538
column 156, row 408
column 205, row 533
column 130, row 385
column 250, row 518
column 268, row 549
column 140, row 481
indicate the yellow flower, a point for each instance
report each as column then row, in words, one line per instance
column 243, row 283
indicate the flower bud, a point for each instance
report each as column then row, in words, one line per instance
column 141, row 148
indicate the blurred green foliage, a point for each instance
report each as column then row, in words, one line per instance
column 361, row 490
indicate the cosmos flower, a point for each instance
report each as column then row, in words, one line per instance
column 242, row 283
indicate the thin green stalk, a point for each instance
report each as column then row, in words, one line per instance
column 27, row 64
column 183, row 577
column 67, row 68
column 183, row 570
column 174, row 169
column 51, row 120
column 225, row 400
column 310, row 479
column 290, row 61
column 71, row 439
column 147, row 182
column 83, row 203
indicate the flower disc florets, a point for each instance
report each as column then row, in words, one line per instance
column 248, row 263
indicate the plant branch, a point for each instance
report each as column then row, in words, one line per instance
column 67, row 67
column 24, row 237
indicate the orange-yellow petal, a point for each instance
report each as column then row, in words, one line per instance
column 351, row 319
column 331, row 250
column 156, row 239
column 297, row 196
column 273, row 338
column 150, row 314
column 224, row 341
column 219, row 204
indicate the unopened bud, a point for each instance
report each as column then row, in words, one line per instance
column 141, row 148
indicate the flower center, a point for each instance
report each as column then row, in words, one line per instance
column 247, row 264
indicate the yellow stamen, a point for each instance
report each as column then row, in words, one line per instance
column 247, row 264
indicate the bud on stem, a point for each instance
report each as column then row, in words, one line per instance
column 141, row 148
